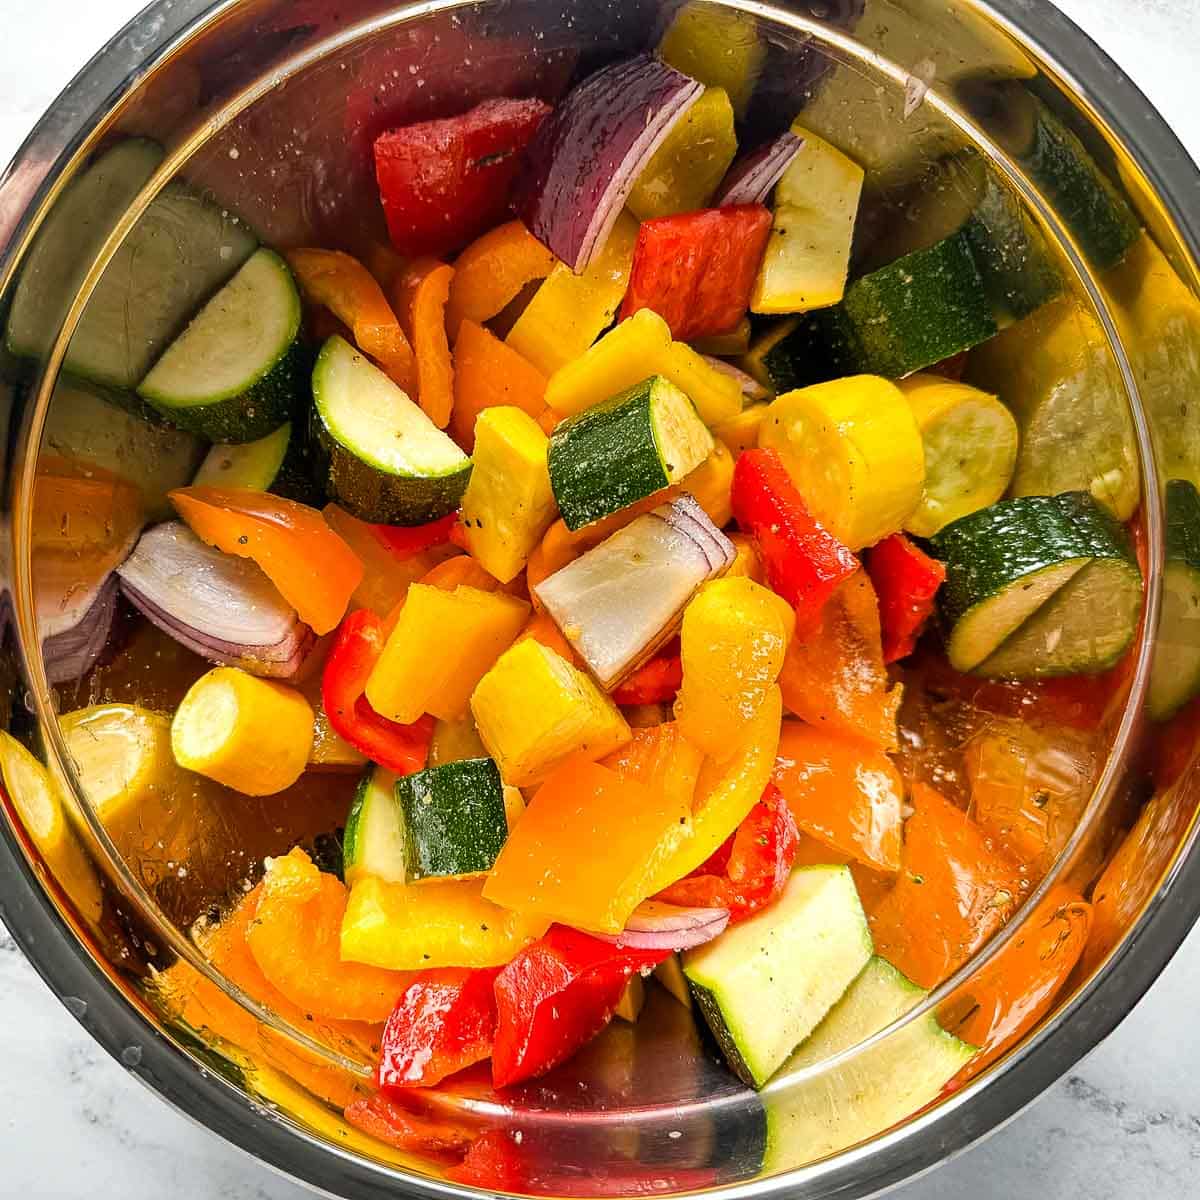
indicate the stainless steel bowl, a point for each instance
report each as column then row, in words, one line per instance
column 268, row 105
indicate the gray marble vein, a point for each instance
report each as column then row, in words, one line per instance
column 73, row 1123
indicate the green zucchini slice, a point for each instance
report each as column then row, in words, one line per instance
column 253, row 465
column 630, row 446
column 375, row 841
column 1175, row 678
column 383, row 459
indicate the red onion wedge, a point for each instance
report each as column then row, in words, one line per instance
column 222, row 607
column 751, row 178
column 70, row 654
column 657, row 926
column 587, row 154
column 623, row 599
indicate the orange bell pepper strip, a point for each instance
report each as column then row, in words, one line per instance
column 490, row 273
column 420, row 296
column 313, row 568
column 82, row 510
column 489, row 373
column 460, row 571
column 295, row 938
column 1012, row 993
column 834, row 676
column 340, row 283
column 954, row 891
column 843, row 791
column 543, row 628
column 662, row 759
column 549, row 865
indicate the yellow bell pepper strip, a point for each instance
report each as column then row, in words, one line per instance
column 490, row 273
column 733, row 640
column 435, row 923
column 253, row 735
column 725, row 345
column 740, row 433
column 685, row 170
column 662, row 759
column 343, row 285
column 508, row 504
column 420, row 296
column 726, row 791
column 442, row 645
column 550, row 864
column 711, row 483
column 721, row 49
column 748, row 562
column 294, row 936
column 568, row 312
column 854, row 452
column 640, row 346
column 312, row 567
column 488, row 373
column 534, row 710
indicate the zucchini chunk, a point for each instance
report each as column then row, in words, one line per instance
column 254, row 465
column 1037, row 586
column 374, row 841
column 616, row 453
column 384, row 459
column 1175, row 678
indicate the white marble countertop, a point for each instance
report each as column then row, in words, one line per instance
column 1123, row 1125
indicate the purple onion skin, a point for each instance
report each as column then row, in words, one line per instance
column 587, row 153
column 675, row 939
column 70, row 655
column 751, row 178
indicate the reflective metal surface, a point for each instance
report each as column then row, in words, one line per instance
column 266, row 112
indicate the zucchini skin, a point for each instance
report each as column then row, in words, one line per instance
column 1183, row 523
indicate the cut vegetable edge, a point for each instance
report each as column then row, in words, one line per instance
column 253, row 465
column 375, row 839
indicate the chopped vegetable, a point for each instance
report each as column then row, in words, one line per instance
column 804, row 562
column 437, row 923
column 312, row 567
column 690, row 163
column 740, row 432
column 586, row 157
column 720, row 48
column 753, row 177
column 360, row 642
column 854, row 452
column 621, row 600
column 393, row 1125
column 556, row 995
column 906, row 580
column 548, row 864
column 654, row 682
column 345, row 287
column 625, row 449
column 374, row 841
column 696, row 270
column 736, row 341
column 843, row 791
column 444, row 182
column 808, row 252
column 662, row 759
column 640, row 346
column 508, row 504
column 1175, row 678
column 421, row 293
column 419, row 671
column 734, row 637
column 491, row 272
column 257, row 464
column 569, row 311
column 534, row 711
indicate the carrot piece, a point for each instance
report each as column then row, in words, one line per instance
column 489, row 373
column 953, row 892
column 843, row 791
column 491, row 271
column 295, row 937
column 343, row 285
column 420, row 296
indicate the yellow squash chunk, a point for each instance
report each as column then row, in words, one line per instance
column 725, row 793
column 741, row 432
column 253, row 735
column 734, row 637
column 854, row 452
column 440, row 648
column 534, row 710
column 970, row 441
column 686, row 169
column 721, row 49
column 638, row 347
column 508, row 503
column 437, row 923
column 808, row 252
column 568, row 311
column 39, row 806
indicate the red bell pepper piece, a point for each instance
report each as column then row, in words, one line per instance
column 399, row 748
column 906, row 581
column 383, row 1118
column 750, row 869
column 407, row 541
column 555, row 996
column 804, row 561
column 494, row 1163
column 655, row 682
column 442, row 183
column 444, row 1021
column 697, row 269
